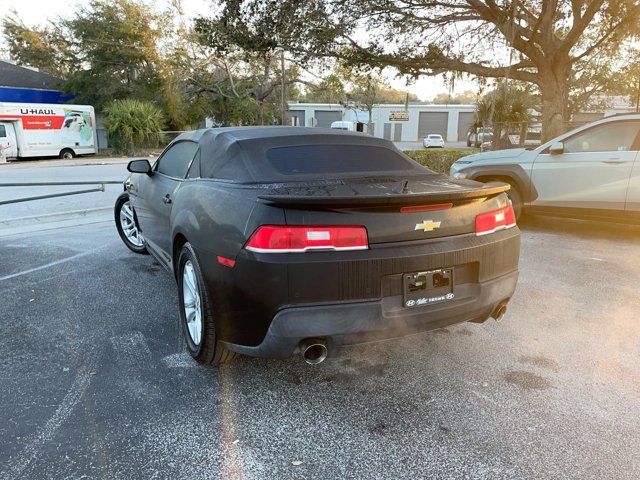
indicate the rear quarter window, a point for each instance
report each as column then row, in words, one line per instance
column 336, row 159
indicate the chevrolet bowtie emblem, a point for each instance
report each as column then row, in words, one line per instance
column 427, row 225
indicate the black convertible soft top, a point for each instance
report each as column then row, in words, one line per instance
column 277, row 154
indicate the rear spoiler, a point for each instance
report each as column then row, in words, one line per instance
column 487, row 190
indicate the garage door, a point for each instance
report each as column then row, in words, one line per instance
column 465, row 120
column 324, row 118
column 433, row 122
column 296, row 118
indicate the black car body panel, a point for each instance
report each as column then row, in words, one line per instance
column 368, row 277
column 229, row 189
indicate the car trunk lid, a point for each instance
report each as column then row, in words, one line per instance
column 393, row 209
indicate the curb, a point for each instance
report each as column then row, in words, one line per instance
column 53, row 217
column 51, row 227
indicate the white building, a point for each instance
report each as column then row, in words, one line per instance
column 609, row 105
column 392, row 122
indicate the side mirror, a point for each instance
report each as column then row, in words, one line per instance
column 139, row 166
column 556, row 148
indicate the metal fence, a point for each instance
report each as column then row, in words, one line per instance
column 99, row 188
column 504, row 135
column 167, row 136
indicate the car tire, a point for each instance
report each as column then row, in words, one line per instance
column 127, row 225
column 516, row 199
column 67, row 154
column 197, row 312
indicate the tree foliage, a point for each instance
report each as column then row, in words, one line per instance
column 111, row 49
column 505, row 104
column 229, row 65
column 541, row 42
column 466, row 97
column 627, row 81
column 506, row 109
column 44, row 47
column 243, row 44
column 116, row 42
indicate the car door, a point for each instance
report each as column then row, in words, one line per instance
column 156, row 192
column 593, row 170
column 8, row 142
column 633, row 194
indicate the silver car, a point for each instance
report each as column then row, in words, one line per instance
column 590, row 172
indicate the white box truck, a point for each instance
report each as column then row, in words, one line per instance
column 46, row 130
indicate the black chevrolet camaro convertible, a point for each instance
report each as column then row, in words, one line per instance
column 285, row 239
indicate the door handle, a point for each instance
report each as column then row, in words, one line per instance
column 613, row 161
column 166, row 199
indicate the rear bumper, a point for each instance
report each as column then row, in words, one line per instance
column 359, row 322
column 367, row 285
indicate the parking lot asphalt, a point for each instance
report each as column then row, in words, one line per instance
column 95, row 382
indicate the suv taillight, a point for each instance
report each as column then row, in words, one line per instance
column 495, row 220
column 285, row 239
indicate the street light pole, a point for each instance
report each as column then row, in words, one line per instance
column 284, row 102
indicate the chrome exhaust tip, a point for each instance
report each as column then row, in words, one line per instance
column 500, row 311
column 314, row 351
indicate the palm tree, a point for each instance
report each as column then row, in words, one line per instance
column 506, row 109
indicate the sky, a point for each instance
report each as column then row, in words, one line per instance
column 39, row 11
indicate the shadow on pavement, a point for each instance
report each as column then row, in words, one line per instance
column 582, row 228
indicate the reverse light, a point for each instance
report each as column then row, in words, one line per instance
column 287, row 239
column 495, row 220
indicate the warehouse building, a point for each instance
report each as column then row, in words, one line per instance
column 29, row 85
column 393, row 122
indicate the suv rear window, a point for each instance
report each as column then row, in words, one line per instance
column 335, row 159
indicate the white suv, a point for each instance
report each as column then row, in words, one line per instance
column 592, row 171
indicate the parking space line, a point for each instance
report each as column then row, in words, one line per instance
column 179, row 360
column 48, row 265
column 30, row 452
column 131, row 350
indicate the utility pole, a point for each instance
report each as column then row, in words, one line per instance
column 284, row 97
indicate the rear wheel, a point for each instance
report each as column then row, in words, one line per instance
column 67, row 154
column 197, row 313
column 127, row 225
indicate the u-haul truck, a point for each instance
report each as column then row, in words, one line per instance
column 46, row 130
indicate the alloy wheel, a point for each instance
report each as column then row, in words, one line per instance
column 129, row 227
column 192, row 302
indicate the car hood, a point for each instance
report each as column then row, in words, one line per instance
column 510, row 153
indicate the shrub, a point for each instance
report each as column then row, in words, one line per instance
column 133, row 124
column 441, row 159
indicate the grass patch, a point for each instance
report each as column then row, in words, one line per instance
column 439, row 159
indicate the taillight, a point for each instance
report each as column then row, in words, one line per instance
column 284, row 239
column 496, row 220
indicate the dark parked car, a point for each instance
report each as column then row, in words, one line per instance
column 285, row 239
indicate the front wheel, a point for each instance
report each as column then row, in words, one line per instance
column 127, row 225
column 516, row 200
column 197, row 312
column 67, row 154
